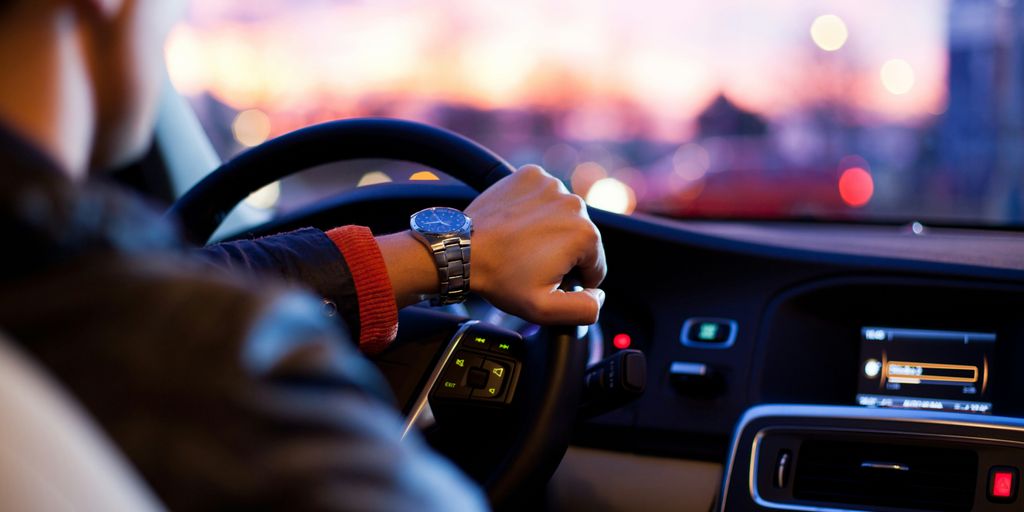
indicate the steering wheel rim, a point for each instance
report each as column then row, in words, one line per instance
column 558, row 358
column 205, row 206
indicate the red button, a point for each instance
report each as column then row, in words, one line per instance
column 622, row 341
column 1002, row 484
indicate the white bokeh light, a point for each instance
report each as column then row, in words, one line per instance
column 612, row 195
column 251, row 127
column 266, row 197
column 897, row 76
column 373, row 178
column 829, row 32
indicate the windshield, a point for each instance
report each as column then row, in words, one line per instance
column 864, row 110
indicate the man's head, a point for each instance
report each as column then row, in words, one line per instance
column 107, row 72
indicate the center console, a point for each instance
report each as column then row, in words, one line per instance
column 908, row 399
column 894, row 343
column 838, row 458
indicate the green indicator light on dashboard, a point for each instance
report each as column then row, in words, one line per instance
column 503, row 346
column 449, row 384
column 708, row 331
column 480, row 340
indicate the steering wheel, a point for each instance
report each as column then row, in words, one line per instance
column 534, row 406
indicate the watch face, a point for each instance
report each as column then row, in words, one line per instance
column 439, row 221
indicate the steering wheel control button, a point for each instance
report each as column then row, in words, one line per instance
column 451, row 386
column 498, row 372
column 506, row 346
column 477, row 378
column 713, row 333
column 479, row 341
column 454, row 381
column 1002, row 484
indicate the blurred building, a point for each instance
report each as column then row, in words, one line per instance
column 982, row 127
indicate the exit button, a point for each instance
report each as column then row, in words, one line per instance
column 1002, row 484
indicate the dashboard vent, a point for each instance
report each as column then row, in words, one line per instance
column 886, row 475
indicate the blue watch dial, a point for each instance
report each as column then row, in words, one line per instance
column 439, row 221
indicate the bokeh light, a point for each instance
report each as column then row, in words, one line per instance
column 622, row 341
column 586, row 175
column 373, row 178
column 635, row 179
column 897, row 76
column 251, row 127
column 188, row 74
column 266, row 197
column 612, row 195
column 655, row 55
column 560, row 158
column 829, row 32
column 856, row 187
column 424, row 176
column 693, row 121
column 691, row 161
column 682, row 190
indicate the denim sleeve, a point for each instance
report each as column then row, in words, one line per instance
column 306, row 257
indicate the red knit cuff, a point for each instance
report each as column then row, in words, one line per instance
column 378, row 312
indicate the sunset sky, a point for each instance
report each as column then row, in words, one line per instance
column 667, row 57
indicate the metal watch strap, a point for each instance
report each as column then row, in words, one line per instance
column 451, row 256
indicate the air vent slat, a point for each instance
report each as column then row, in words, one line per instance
column 937, row 479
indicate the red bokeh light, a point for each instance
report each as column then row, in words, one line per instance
column 856, row 186
column 622, row 341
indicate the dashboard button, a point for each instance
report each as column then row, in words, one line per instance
column 1002, row 484
column 714, row 333
column 696, row 380
column 710, row 332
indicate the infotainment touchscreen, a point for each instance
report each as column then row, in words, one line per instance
column 925, row 369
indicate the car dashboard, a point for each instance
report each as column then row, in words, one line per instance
column 894, row 350
column 767, row 342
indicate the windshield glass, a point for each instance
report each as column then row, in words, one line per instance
column 866, row 110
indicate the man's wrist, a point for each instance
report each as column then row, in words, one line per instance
column 410, row 267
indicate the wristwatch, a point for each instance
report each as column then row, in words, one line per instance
column 446, row 232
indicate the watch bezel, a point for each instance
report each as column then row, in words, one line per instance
column 466, row 227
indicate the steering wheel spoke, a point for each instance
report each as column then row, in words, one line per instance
column 479, row 367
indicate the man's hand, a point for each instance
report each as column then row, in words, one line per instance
column 529, row 232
